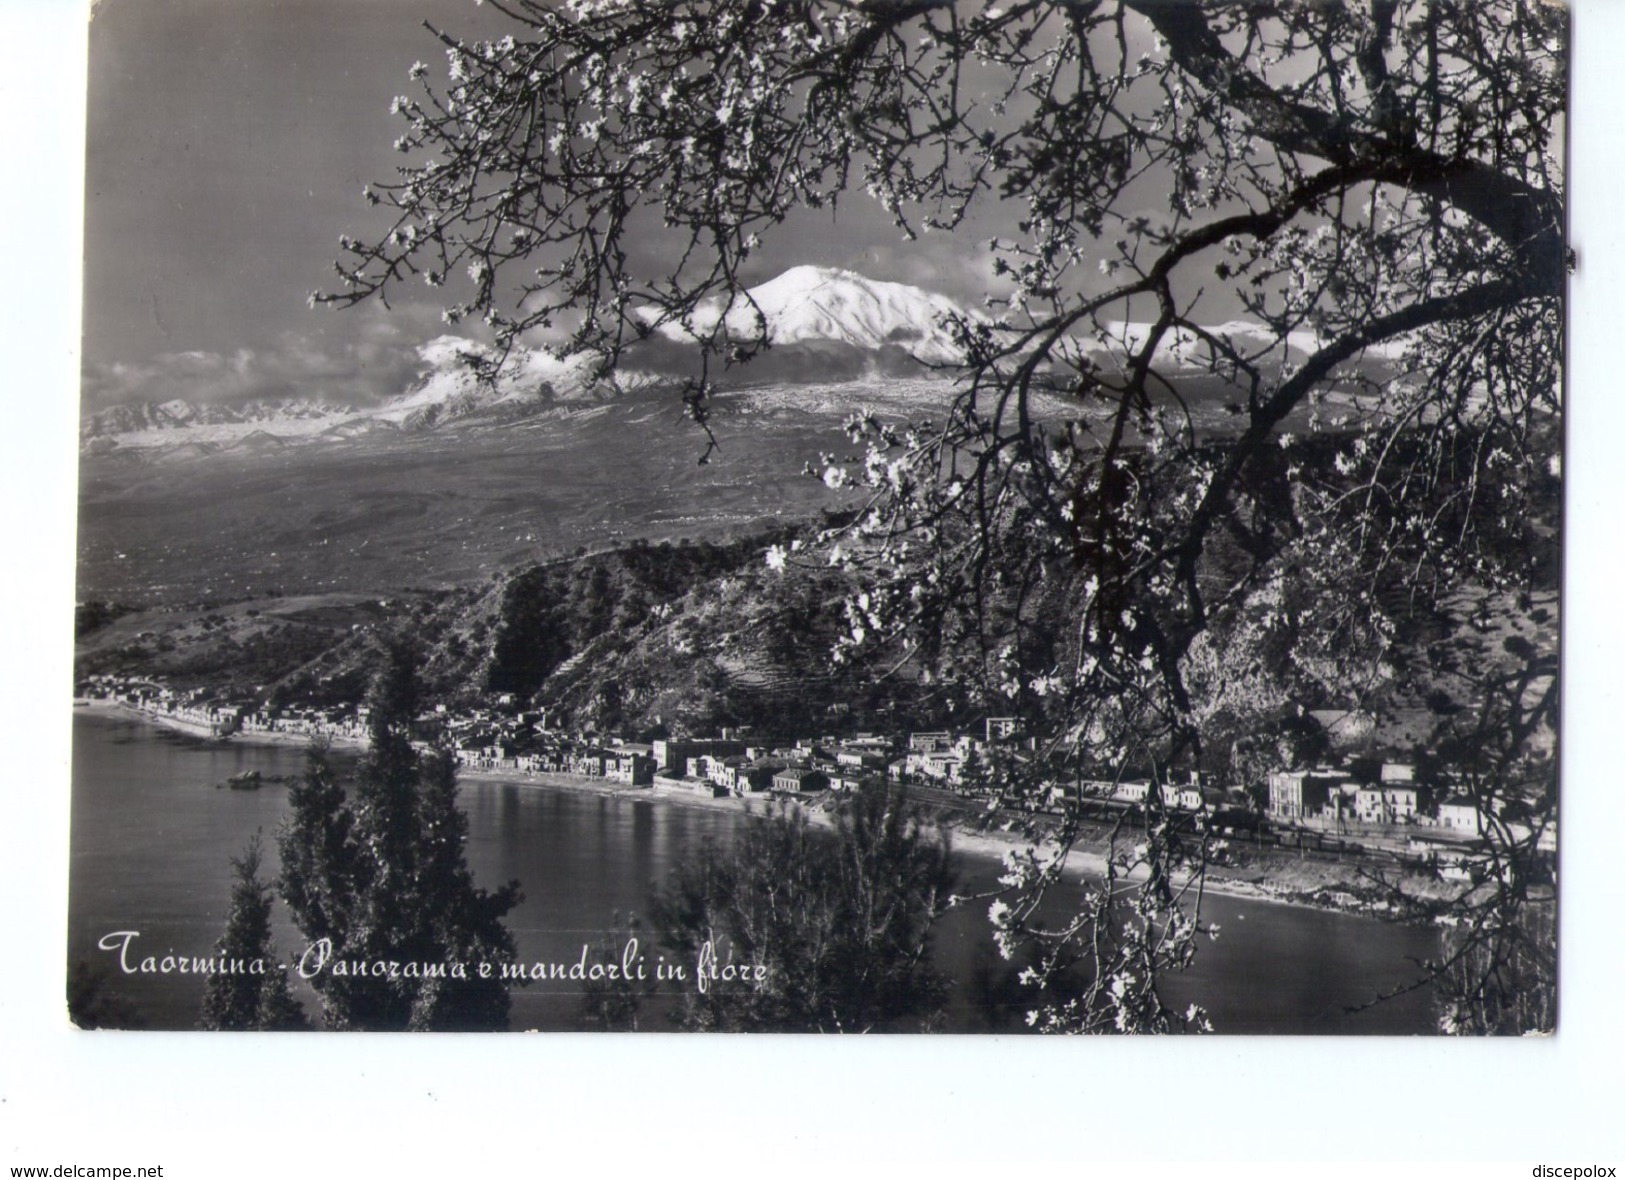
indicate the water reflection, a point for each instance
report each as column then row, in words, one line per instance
column 153, row 837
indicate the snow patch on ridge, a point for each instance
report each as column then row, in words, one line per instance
column 808, row 304
column 1182, row 349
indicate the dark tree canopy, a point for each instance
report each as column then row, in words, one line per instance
column 383, row 877
column 1375, row 187
column 841, row 921
column 250, row 990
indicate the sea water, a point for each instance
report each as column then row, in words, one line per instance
column 155, row 830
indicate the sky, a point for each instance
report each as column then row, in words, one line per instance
column 228, row 144
column 227, row 147
column 410, row 1103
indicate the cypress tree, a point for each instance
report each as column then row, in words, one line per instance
column 381, row 875
column 249, row 998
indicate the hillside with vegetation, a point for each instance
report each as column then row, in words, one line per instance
column 690, row 636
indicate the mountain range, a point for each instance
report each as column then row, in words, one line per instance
column 457, row 478
column 179, row 413
column 820, row 325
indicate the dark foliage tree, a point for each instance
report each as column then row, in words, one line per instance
column 382, row 876
column 1375, row 185
column 840, row 921
column 250, row 990
column 92, row 1002
column 1497, row 969
column 618, row 1004
column 95, row 614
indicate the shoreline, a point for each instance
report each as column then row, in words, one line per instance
column 192, row 730
column 983, row 845
column 1249, row 883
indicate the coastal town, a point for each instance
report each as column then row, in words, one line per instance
column 1358, row 807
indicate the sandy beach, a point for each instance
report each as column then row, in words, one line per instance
column 1281, row 880
column 164, row 721
column 1287, row 880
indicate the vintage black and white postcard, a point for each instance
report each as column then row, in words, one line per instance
column 794, row 515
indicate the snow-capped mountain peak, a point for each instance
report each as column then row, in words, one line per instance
column 810, row 304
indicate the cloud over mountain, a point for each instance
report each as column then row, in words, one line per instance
column 361, row 358
column 821, row 325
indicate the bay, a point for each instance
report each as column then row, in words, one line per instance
column 153, row 836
